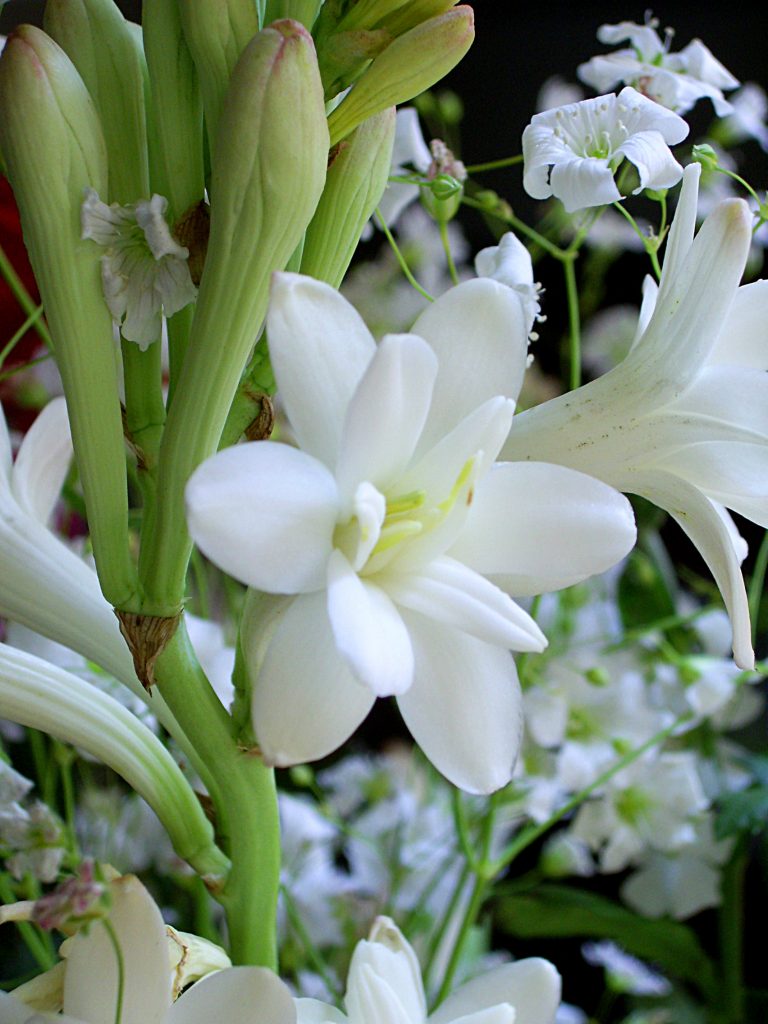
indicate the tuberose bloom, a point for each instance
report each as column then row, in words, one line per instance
column 384, row 985
column 682, row 420
column 144, row 270
column 572, row 152
column 675, row 80
column 381, row 529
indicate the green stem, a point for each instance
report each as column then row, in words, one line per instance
column 443, row 225
column 144, row 405
column 120, row 969
column 313, row 956
column 400, row 258
column 22, row 296
column 649, row 244
column 519, row 225
column 243, row 791
column 19, row 334
column 757, row 584
column 731, row 922
column 493, row 165
column 574, row 323
column 439, row 934
column 533, row 832
column 39, row 944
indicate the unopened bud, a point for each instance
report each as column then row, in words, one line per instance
column 410, row 64
column 83, row 898
column 442, row 197
column 305, row 11
column 109, row 58
column 354, row 185
column 413, row 13
column 706, row 156
column 217, row 32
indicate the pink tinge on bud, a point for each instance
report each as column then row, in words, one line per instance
column 77, row 900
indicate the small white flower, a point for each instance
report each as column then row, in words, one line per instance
column 144, row 270
column 675, row 80
column 509, row 262
column 572, row 152
column 626, row 973
column 377, row 535
column 384, row 985
column 747, row 119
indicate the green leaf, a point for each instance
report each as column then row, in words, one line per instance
column 743, row 812
column 556, row 911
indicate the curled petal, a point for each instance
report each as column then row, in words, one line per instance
column 653, row 159
column 43, row 462
column 531, row 986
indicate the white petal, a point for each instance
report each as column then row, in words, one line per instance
column 464, row 707
column 543, row 527
column 90, row 982
column 450, row 593
column 582, row 183
column 502, row 1013
column 725, row 402
column 43, row 462
column 704, row 523
column 312, row 1011
column 368, row 630
column 508, row 262
column 12, row 1011
column 320, row 349
column 653, row 159
column 532, row 986
column 388, row 958
column 6, row 457
column 479, row 334
column 744, row 336
column 237, row 995
column 306, row 702
column 386, row 414
column 265, row 513
column 683, row 225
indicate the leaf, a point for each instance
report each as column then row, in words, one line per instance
column 742, row 812
column 557, row 912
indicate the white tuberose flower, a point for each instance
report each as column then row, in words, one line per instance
column 682, row 420
column 385, row 523
column 675, row 80
column 573, row 151
column 384, row 986
column 239, row 995
column 144, row 270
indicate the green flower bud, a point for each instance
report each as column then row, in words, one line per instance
column 354, row 185
column 217, row 32
column 706, row 156
column 51, row 139
column 413, row 13
column 268, row 173
column 410, row 64
column 177, row 145
column 108, row 55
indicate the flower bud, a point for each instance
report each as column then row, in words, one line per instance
column 109, row 58
column 410, row 64
column 305, row 11
column 354, row 185
column 268, row 173
column 52, row 142
column 217, row 32
column 176, row 149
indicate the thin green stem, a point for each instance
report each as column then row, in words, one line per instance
column 22, row 296
column 574, row 325
column 757, row 584
column 19, row 334
column 400, row 258
column 25, row 366
column 649, row 244
column 493, row 165
column 38, row 943
column 450, row 910
column 533, row 832
column 443, row 226
column 108, row 927
column 65, row 757
column 519, row 225
column 731, row 927
column 313, row 956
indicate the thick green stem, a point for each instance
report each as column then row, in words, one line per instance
column 144, row 405
column 245, row 799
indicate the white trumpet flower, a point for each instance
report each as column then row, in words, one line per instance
column 682, row 420
column 382, row 528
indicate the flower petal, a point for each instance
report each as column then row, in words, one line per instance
column 478, row 331
column 744, row 337
column 43, row 462
column 237, row 995
column 543, row 527
column 313, row 1011
column 713, row 533
column 683, row 226
column 91, row 979
column 369, row 633
column 464, row 707
column 450, row 593
column 388, row 960
column 306, row 702
column 531, row 986
column 653, row 159
column 724, row 403
column 320, row 349
column 582, row 183
column 386, row 414
column 264, row 513
column 6, row 457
